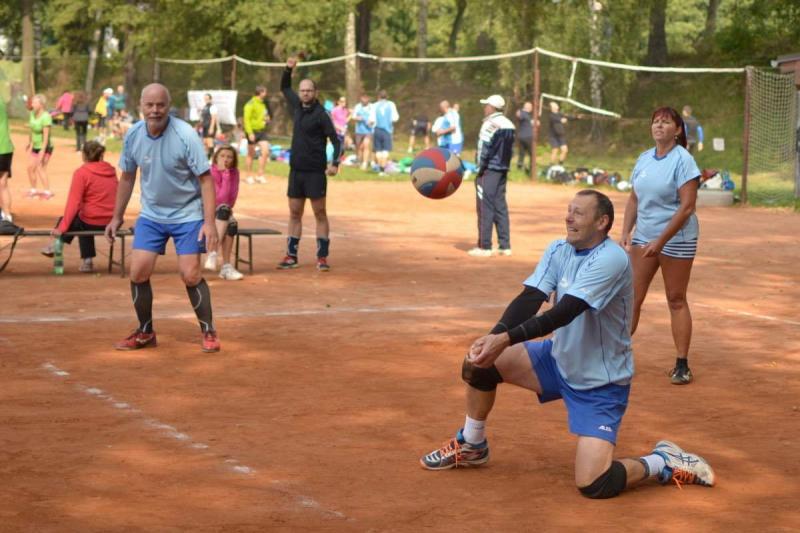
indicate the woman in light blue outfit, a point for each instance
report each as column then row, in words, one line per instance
column 661, row 206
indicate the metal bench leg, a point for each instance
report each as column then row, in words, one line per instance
column 236, row 263
column 111, row 258
column 250, row 251
column 122, row 258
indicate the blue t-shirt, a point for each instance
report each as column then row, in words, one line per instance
column 363, row 113
column 170, row 165
column 110, row 105
column 656, row 182
column 457, row 136
column 595, row 348
column 385, row 115
column 441, row 123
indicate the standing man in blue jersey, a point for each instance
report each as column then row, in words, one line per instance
column 694, row 131
column 308, row 166
column 588, row 363
column 177, row 202
column 495, row 148
column 385, row 115
column 442, row 127
column 457, row 139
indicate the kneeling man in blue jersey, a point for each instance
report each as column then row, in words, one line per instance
column 588, row 362
column 177, row 199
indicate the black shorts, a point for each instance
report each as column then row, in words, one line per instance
column 261, row 136
column 419, row 131
column 307, row 184
column 5, row 163
column 48, row 150
column 557, row 141
column 207, row 133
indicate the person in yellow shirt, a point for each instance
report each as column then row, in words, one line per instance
column 101, row 110
column 256, row 116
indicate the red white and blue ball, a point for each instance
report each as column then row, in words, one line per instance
column 436, row 173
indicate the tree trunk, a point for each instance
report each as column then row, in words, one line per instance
column 711, row 23
column 351, row 64
column 422, row 38
column 94, row 50
column 364, row 21
column 28, row 51
column 129, row 57
column 595, row 75
column 461, row 6
column 657, row 42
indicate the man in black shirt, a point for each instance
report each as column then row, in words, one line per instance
column 308, row 166
column 524, row 133
column 558, row 135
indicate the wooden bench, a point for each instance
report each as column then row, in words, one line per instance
column 121, row 234
column 248, row 234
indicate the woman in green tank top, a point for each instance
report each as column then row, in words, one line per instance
column 40, row 148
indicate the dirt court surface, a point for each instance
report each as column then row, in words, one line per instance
column 330, row 386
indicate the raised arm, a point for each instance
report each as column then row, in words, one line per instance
column 286, row 84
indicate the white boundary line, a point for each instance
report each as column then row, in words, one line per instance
column 231, row 464
column 247, row 314
column 338, row 310
column 750, row 315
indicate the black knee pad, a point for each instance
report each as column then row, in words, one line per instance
column 224, row 212
column 233, row 228
column 484, row 379
column 609, row 484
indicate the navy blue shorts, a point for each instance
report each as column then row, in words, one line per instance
column 382, row 140
column 592, row 413
column 153, row 236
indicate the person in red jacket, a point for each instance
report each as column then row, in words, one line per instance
column 90, row 203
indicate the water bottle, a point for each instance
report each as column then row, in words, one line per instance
column 58, row 257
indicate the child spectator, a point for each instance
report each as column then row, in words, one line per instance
column 225, row 172
column 90, row 203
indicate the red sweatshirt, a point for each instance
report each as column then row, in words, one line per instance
column 91, row 195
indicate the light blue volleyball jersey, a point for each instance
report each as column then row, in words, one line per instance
column 656, row 182
column 170, row 165
column 385, row 115
column 363, row 113
column 595, row 348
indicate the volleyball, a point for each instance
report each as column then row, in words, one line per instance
column 436, row 173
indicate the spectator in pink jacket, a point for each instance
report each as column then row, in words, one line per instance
column 64, row 105
column 225, row 172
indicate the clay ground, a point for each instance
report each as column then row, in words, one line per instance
column 330, row 386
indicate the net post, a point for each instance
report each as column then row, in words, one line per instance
column 233, row 72
column 535, row 113
column 748, row 89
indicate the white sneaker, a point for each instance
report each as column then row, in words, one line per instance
column 227, row 272
column 683, row 467
column 250, row 180
column 261, row 179
column 480, row 252
column 211, row 261
column 504, row 251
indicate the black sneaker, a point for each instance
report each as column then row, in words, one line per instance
column 681, row 375
column 288, row 262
